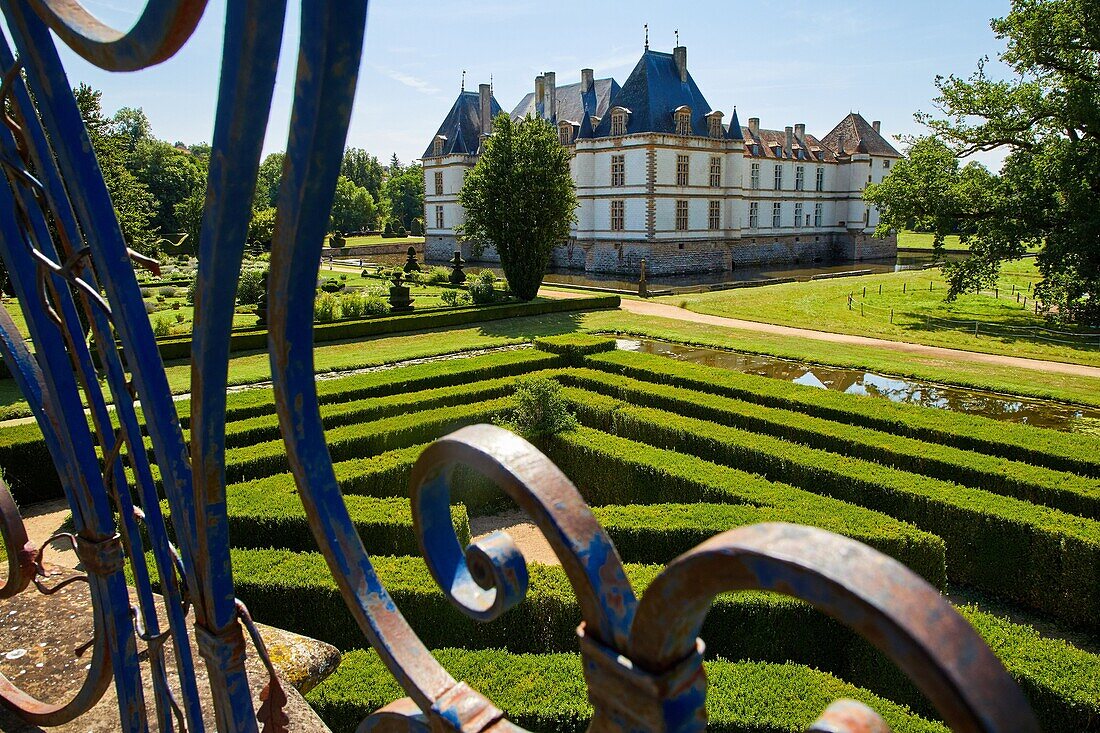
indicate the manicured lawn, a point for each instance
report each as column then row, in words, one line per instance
column 917, row 299
column 920, row 240
column 379, row 239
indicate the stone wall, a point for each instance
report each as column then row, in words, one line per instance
column 683, row 258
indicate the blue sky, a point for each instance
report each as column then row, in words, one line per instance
column 786, row 62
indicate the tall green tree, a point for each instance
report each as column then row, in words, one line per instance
column 403, row 195
column 362, row 169
column 134, row 204
column 170, row 174
column 267, row 180
column 521, row 199
column 353, row 208
column 1047, row 116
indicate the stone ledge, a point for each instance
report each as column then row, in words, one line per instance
column 38, row 634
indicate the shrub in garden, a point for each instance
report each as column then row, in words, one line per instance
column 150, row 307
column 191, row 287
column 179, row 316
column 250, row 287
column 539, row 409
column 481, row 288
column 437, row 275
column 331, row 285
column 351, row 305
column 161, row 327
column 326, row 308
column 168, row 291
column 374, row 303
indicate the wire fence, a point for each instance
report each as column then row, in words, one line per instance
column 1012, row 291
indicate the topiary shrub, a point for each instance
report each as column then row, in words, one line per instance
column 161, row 327
column 417, row 228
column 436, row 276
column 331, row 285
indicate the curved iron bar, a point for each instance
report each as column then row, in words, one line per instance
column 249, row 61
column 491, row 576
column 642, row 659
column 17, row 546
column 159, row 32
column 881, row 599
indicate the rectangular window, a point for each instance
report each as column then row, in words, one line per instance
column 820, row 179
column 618, row 170
column 885, row 164
column 777, row 215
column 439, row 217
column 778, row 177
column 681, row 170
column 714, row 215
column 754, row 215
column 800, row 178
column 439, row 183
column 755, row 178
column 798, row 214
column 683, row 123
column 565, row 135
column 817, row 215
column 618, row 124
column 715, row 171
column 681, row 216
column 618, row 216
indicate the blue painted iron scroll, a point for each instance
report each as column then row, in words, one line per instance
column 73, row 273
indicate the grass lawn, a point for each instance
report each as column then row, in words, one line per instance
column 823, row 305
column 379, row 239
column 920, row 240
column 255, row 367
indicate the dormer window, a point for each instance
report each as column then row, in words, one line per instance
column 714, row 125
column 437, row 145
column 683, row 120
column 619, row 118
column 565, row 133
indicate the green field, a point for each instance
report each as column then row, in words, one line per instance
column 378, row 239
column 917, row 299
column 668, row 454
column 922, row 241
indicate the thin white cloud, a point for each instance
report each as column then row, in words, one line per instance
column 413, row 82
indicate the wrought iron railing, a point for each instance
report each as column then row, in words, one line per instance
column 73, row 274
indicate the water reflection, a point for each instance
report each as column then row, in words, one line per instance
column 1039, row 413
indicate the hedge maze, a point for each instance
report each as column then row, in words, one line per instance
column 669, row 454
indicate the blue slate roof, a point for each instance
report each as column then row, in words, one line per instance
column 462, row 126
column 734, row 131
column 652, row 93
column 572, row 104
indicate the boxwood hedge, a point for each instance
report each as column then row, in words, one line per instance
column 1038, row 556
column 546, row 692
column 296, row 591
column 1050, row 448
column 1037, row 484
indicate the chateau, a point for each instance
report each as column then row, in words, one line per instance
column 662, row 176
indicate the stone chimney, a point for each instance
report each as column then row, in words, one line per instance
column 551, row 96
column 587, row 80
column 485, row 107
column 680, row 56
column 789, row 146
column 800, row 133
column 754, row 126
column 878, row 126
column 540, row 94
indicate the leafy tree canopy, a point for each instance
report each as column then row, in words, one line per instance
column 1047, row 115
column 267, row 181
column 353, row 208
column 363, row 169
column 403, row 195
column 521, row 199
